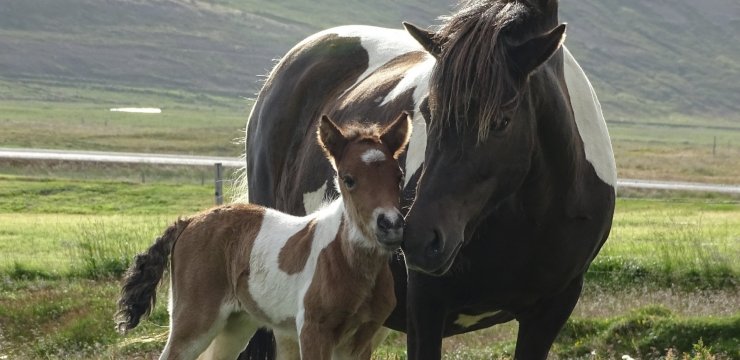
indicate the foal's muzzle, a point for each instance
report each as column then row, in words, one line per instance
column 390, row 230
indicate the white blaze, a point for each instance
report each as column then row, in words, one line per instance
column 372, row 155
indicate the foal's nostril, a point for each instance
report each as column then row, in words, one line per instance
column 384, row 223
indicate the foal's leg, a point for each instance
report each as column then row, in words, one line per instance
column 317, row 343
column 287, row 347
column 539, row 327
column 191, row 330
column 232, row 338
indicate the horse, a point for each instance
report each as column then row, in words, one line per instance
column 511, row 178
column 321, row 282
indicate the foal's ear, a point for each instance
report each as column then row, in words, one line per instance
column 529, row 55
column 397, row 134
column 331, row 138
column 424, row 37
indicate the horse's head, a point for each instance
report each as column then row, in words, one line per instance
column 369, row 176
column 482, row 126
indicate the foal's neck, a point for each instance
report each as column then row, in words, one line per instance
column 360, row 251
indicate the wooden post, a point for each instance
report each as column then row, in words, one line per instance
column 219, row 184
column 714, row 147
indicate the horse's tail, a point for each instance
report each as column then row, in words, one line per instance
column 261, row 346
column 139, row 291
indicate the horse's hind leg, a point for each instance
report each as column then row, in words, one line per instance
column 232, row 339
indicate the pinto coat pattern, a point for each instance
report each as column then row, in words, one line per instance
column 511, row 177
column 321, row 282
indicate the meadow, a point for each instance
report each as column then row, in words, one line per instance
column 666, row 279
column 665, row 285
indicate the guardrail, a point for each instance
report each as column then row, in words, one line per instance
column 220, row 162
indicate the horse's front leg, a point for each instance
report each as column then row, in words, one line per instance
column 539, row 326
column 426, row 318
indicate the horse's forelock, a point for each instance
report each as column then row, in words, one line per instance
column 473, row 66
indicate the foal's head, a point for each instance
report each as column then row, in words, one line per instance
column 368, row 176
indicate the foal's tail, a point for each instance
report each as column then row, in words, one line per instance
column 139, row 291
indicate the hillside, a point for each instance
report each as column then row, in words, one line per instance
column 646, row 58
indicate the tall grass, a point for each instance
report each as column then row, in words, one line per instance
column 675, row 246
column 104, row 250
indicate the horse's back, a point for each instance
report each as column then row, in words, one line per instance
column 304, row 85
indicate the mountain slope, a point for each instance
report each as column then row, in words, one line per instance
column 646, row 59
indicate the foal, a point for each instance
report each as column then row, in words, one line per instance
column 321, row 282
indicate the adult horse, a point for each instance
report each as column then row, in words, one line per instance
column 516, row 193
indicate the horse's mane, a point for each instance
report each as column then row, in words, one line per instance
column 472, row 81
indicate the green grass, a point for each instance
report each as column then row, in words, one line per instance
column 50, row 196
column 665, row 242
column 130, row 173
column 66, row 241
column 72, row 319
column 688, row 243
column 89, row 125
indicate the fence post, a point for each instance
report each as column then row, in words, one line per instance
column 219, row 184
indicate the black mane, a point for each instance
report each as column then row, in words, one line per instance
column 473, row 82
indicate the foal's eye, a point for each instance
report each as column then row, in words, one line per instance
column 349, row 182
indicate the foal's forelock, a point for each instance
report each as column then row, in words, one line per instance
column 473, row 75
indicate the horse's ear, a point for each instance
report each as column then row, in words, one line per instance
column 331, row 139
column 397, row 134
column 424, row 37
column 529, row 55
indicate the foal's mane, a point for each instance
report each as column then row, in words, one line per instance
column 357, row 132
column 473, row 80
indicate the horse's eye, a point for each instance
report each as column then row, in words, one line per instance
column 502, row 124
column 349, row 182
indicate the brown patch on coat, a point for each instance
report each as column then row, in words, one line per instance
column 351, row 293
column 210, row 261
column 294, row 254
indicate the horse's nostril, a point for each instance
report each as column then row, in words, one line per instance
column 435, row 246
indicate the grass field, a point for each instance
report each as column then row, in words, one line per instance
column 64, row 237
column 70, row 228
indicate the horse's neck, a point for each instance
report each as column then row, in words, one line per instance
column 357, row 250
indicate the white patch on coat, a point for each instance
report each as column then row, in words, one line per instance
column 372, row 155
column 465, row 321
column 279, row 294
column 417, row 146
column 417, row 77
column 382, row 44
column 590, row 121
column 312, row 201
